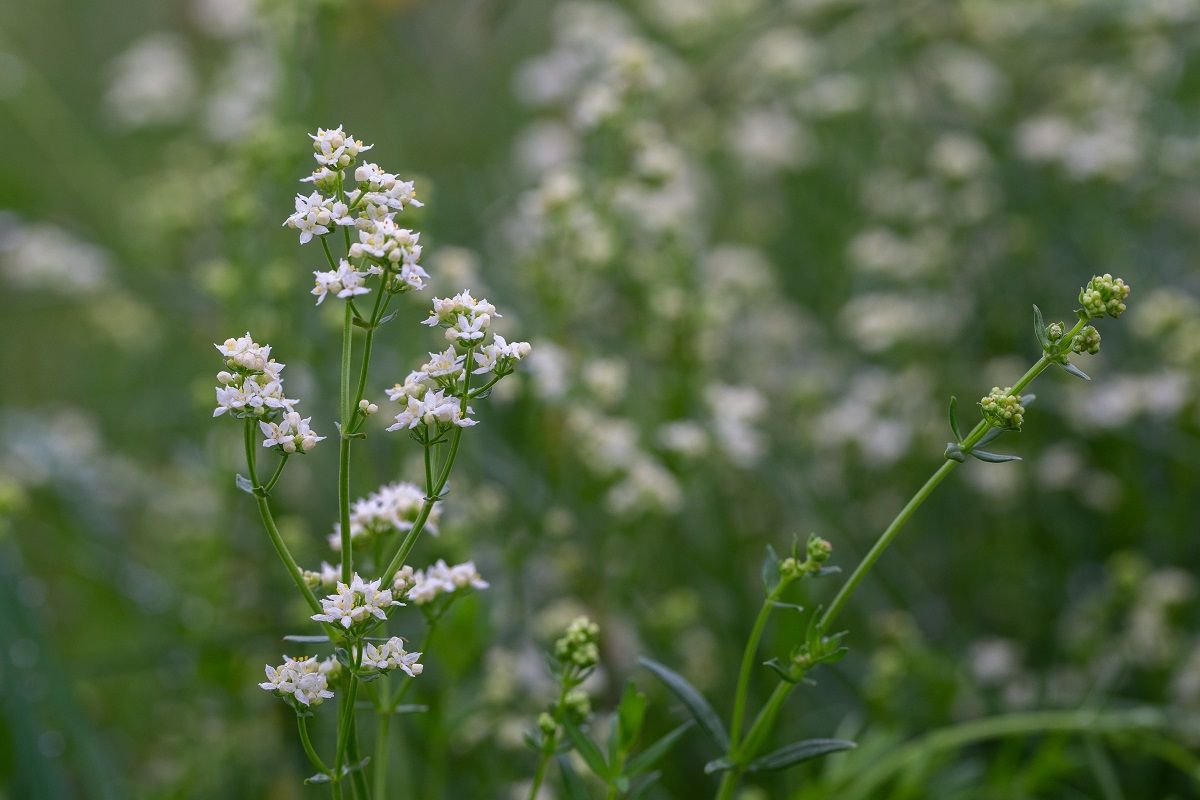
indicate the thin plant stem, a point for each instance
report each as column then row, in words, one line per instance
column 770, row 711
column 548, row 747
column 410, row 539
column 302, row 724
column 264, row 510
column 743, row 684
column 344, row 452
column 382, row 728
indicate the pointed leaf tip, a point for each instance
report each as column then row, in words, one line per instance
column 691, row 697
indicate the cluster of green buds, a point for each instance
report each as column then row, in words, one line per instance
column 575, row 655
column 817, row 648
column 1104, row 294
column 817, row 552
column 1086, row 341
column 1003, row 409
column 577, row 648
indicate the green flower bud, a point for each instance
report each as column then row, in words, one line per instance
column 1086, row 341
column 547, row 725
column 818, row 549
column 789, row 568
column 577, row 647
column 1104, row 294
column 578, row 705
column 1003, row 409
column 1055, row 331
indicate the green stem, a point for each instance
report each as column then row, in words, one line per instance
column 410, row 539
column 748, row 657
column 264, row 510
column 302, row 724
column 766, row 717
column 346, row 717
column 275, row 477
column 550, row 743
column 344, row 452
column 382, row 725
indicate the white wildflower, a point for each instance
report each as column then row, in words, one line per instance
column 352, row 604
column 344, row 282
column 392, row 655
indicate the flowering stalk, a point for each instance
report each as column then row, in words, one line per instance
column 1002, row 409
column 383, row 260
column 576, row 655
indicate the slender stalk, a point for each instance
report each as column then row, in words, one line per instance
column 550, row 743
column 383, row 721
column 264, row 510
column 344, row 452
column 770, row 711
column 743, row 684
column 346, row 717
column 302, row 724
column 270, row 484
column 410, row 539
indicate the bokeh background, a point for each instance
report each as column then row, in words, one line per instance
column 756, row 245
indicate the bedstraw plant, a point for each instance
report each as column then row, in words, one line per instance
column 353, row 209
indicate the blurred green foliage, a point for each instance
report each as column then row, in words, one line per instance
column 755, row 245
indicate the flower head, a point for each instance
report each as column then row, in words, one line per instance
column 355, row 603
column 392, row 655
column 1104, row 294
column 578, row 647
column 304, row 679
column 1002, row 408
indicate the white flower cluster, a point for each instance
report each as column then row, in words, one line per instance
column 436, row 394
column 392, row 655
column 391, row 507
column 370, row 207
column 253, row 387
column 424, row 586
column 345, row 281
column 306, row 679
column 292, row 434
column 356, row 603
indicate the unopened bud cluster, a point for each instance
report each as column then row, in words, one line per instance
column 1104, row 294
column 1086, row 341
column 578, row 648
column 817, row 552
column 1002, row 408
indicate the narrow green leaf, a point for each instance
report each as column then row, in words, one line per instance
column 648, row 757
column 320, row 777
column 243, row 483
column 587, row 748
column 994, row 458
column 1039, row 328
column 770, row 569
column 641, row 785
column 954, row 419
column 787, row 606
column 777, row 666
column 295, row 637
column 695, row 702
column 573, row 788
column 991, row 435
column 1027, row 400
column 796, row 752
column 718, row 765
column 1074, row 370
column 386, row 318
column 630, row 715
